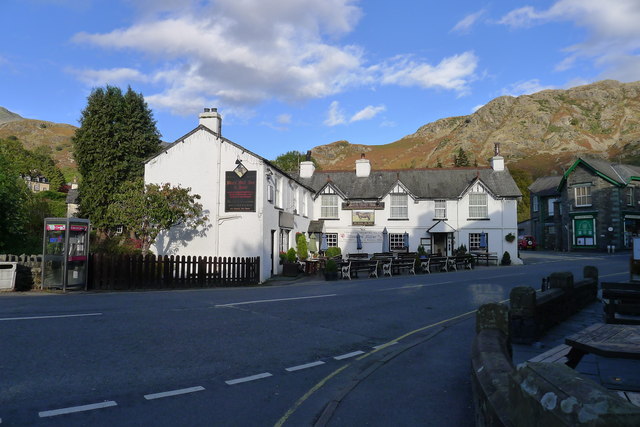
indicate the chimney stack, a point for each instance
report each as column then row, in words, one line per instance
column 363, row 167
column 307, row 168
column 211, row 119
column 497, row 161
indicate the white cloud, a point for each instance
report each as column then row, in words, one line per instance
column 525, row 88
column 476, row 108
column 241, row 53
column 454, row 73
column 613, row 33
column 284, row 119
column 367, row 113
column 335, row 116
column 465, row 24
column 108, row 76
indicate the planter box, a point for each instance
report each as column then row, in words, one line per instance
column 290, row 269
column 332, row 275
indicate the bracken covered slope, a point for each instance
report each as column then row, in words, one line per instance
column 539, row 132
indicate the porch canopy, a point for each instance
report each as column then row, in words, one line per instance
column 441, row 227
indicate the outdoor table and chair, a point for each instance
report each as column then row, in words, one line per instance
column 602, row 339
column 485, row 256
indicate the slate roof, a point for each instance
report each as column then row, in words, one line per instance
column 436, row 183
column 616, row 173
column 546, row 185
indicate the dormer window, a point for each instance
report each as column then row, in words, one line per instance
column 478, row 207
column 399, row 206
column 329, row 206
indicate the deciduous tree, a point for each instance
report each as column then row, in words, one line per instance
column 147, row 210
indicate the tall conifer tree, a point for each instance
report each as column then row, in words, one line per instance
column 117, row 133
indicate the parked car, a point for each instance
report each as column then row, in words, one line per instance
column 527, row 242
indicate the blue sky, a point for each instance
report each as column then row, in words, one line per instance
column 294, row 74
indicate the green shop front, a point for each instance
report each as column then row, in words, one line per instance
column 584, row 231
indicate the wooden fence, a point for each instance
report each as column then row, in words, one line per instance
column 121, row 272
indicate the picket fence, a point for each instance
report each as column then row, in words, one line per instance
column 126, row 272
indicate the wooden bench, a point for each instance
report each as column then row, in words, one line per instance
column 557, row 354
column 369, row 266
column 622, row 299
column 398, row 266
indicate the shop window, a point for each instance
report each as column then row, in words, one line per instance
column 478, row 207
column 584, row 229
column 399, row 206
column 583, row 196
column 329, row 206
column 441, row 209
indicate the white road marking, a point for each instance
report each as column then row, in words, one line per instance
column 61, row 316
column 348, row 355
column 247, row 379
column 273, row 300
column 173, row 393
column 413, row 286
column 73, row 409
column 305, row 366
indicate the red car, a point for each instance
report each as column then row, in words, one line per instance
column 527, row 242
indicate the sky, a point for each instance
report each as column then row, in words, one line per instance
column 294, row 74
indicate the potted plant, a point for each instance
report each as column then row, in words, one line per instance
column 301, row 243
column 506, row 259
column 290, row 267
column 331, row 270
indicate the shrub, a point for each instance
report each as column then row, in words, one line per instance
column 333, row 251
column 331, row 266
column 291, row 255
column 506, row 259
column 301, row 243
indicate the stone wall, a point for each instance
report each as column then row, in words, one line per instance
column 29, row 270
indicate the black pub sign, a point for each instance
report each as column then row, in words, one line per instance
column 240, row 192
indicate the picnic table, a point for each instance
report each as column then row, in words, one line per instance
column 485, row 256
column 603, row 339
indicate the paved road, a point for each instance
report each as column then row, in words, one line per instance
column 362, row 352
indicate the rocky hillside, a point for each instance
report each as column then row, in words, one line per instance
column 35, row 133
column 539, row 132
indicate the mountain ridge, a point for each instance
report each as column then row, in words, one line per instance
column 539, row 133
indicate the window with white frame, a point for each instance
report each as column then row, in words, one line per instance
column 478, row 207
column 478, row 241
column 329, row 206
column 441, row 209
column 399, row 206
column 303, row 203
column 551, row 204
column 294, row 202
column 583, row 195
column 278, row 195
column 332, row 240
column 630, row 196
column 396, row 240
column 284, row 240
column 535, row 203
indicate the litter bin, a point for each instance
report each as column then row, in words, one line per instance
column 8, row 275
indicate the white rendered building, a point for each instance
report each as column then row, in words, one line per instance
column 255, row 209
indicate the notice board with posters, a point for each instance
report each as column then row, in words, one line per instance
column 240, row 192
